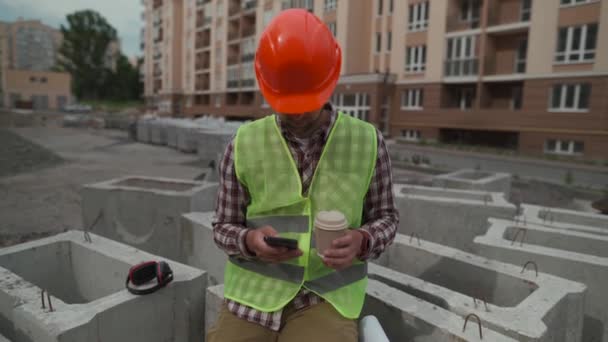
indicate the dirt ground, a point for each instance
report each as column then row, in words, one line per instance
column 43, row 196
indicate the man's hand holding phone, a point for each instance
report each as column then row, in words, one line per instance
column 256, row 243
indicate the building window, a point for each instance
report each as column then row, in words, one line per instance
column 330, row 5
column 520, row 56
column 565, row 3
column 332, row 27
column 410, row 134
column 418, row 17
column 567, row 147
column 415, row 59
column 43, row 80
column 390, row 6
column 378, row 42
column 576, row 43
column 466, row 96
column 220, row 9
column 526, row 10
column 516, row 98
column 265, row 103
column 32, row 79
column 355, row 105
column 218, row 101
column 460, row 59
column 412, row 99
column 307, row 4
column 389, row 41
column 570, row 97
column 379, row 8
column 469, row 11
column 268, row 14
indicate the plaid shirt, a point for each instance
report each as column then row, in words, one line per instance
column 379, row 214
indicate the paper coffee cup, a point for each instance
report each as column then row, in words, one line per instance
column 329, row 225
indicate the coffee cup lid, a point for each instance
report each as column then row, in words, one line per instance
column 331, row 220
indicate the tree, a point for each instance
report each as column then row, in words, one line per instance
column 83, row 52
column 124, row 84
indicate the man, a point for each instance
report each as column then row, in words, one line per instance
column 277, row 174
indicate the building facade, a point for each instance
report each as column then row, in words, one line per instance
column 526, row 75
column 37, row 90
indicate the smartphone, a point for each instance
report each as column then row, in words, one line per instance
column 290, row 244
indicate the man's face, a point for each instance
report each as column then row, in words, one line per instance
column 304, row 125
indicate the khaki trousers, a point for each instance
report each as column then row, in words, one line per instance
column 317, row 323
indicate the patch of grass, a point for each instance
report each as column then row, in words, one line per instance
column 112, row 106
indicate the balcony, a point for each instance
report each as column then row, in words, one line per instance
column 234, row 7
column 463, row 15
column 247, row 98
column 234, row 28
column 201, row 82
column 247, row 57
column 232, row 84
column 461, row 67
column 248, row 83
column 232, row 60
column 458, row 96
column 502, row 96
column 247, row 5
column 203, row 39
column 506, row 54
column 202, row 61
column 202, row 19
column 509, row 12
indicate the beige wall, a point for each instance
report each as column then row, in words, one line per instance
column 355, row 31
column 19, row 82
column 342, row 27
column 435, row 49
column 601, row 56
column 543, row 37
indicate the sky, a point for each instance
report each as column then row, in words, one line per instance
column 123, row 15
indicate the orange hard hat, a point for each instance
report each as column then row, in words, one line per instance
column 297, row 63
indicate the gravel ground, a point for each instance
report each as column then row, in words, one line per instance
column 18, row 155
column 44, row 197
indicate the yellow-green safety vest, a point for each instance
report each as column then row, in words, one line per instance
column 265, row 166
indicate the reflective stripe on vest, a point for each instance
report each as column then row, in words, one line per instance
column 285, row 272
column 282, row 224
column 338, row 279
column 265, row 166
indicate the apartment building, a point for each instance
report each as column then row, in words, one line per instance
column 526, row 75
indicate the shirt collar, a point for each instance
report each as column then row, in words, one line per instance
column 322, row 132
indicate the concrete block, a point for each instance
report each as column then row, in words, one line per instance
column 213, row 142
column 447, row 216
column 469, row 179
column 172, row 129
column 199, row 248
column 145, row 212
column 143, row 131
column 4, row 339
column 86, row 282
column 564, row 219
column 214, row 299
column 158, row 132
column 187, row 139
column 524, row 306
column 570, row 254
column 408, row 318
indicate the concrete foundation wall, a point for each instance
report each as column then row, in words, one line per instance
column 88, row 296
column 199, row 248
column 565, row 253
column 469, row 179
column 187, row 139
column 211, row 143
column 448, row 217
column 523, row 306
column 143, row 131
column 214, row 299
column 158, row 132
column 145, row 212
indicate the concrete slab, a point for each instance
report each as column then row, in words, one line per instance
column 524, row 306
column 213, row 142
column 89, row 299
column 570, row 254
column 564, row 219
column 470, row 179
column 199, row 249
column 447, row 216
column 214, row 298
column 145, row 212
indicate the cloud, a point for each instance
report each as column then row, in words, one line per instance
column 124, row 15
